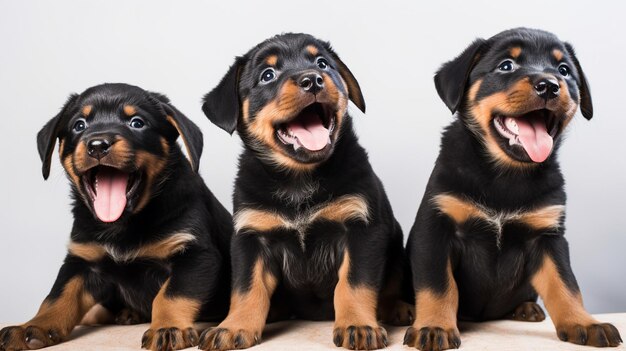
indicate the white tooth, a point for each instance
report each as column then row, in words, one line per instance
column 296, row 146
column 329, row 140
column 511, row 124
column 512, row 141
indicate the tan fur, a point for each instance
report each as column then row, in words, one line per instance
column 248, row 310
column 97, row 315
column 61, row 147
column 130, row 110
column 65, row 312
column 173, row 311
column 342, row 209
column 86, row 110
column 160, row 250
column 564, row 306
column 245, row 109
column 460, row 210
column 91, row 252
column 354, row 305
column 437, row 310
column 345, row 208
column 546, row 217
column 515, row 52
column 153, row 166
column 473, row 91
column 68, row 165
column 558, row 54
column 173, row 122
column 457, row 209
column 271, row 60
column 311, row 49
column 258, row 220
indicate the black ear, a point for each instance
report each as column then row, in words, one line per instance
column 47, row 137
column 221, row 105
column 586, row 106
column 354, row 90
column 188, row 131
column 452, row 77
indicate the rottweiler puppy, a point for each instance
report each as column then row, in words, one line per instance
column 315, row 236
column 489, row 236
column 149, row 240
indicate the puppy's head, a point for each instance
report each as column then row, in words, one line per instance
column 517, row 91
column 288, row 99
column 115, row 142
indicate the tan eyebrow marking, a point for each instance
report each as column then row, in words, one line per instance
column 515, row 51
column 86, row 110
column 271, row 60
column 558, row 54
column 130, row 110
column 311, row 49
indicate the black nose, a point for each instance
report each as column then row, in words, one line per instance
column 311, row 82
column 98, row 147
column 547, row 88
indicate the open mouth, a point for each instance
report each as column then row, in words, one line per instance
column 533, row 131
column 109, row 190
column 311, row 129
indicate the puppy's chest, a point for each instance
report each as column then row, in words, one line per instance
column 302, row 223
column 156, row 250
column 473, row 219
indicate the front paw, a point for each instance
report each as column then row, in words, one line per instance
column 166, row 339
column 28, row 338
column 528, row 312
column 599, row 334
column 360, row 337
column 220, row 338
column 432, row 338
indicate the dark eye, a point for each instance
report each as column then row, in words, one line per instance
column 322, row 63
column 506, row 66
column 79, row 125
column 564, row 70
column 137, row 123
column 268, row 75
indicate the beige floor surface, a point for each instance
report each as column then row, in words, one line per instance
column 305, row 336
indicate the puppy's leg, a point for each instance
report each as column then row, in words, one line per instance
column 556, row 284
column 59, row 313
column 392, row 308
column 360, row 280
column 436, row 292
column 253, row 286
column 355, row 304
column 193, row 280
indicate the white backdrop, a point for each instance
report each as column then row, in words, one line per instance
column 49, row 49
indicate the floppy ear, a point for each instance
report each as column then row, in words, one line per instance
column 47, row 137
column 221, row 105
column 452, row 77
column 586, row 107
column 188, row 131
column 354, row 90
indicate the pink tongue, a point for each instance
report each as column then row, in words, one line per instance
column 110, row 198
column 310, row 131
column 534, row 137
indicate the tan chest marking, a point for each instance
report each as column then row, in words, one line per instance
column 161, row 249
column 344, row 208
column 460, row 210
